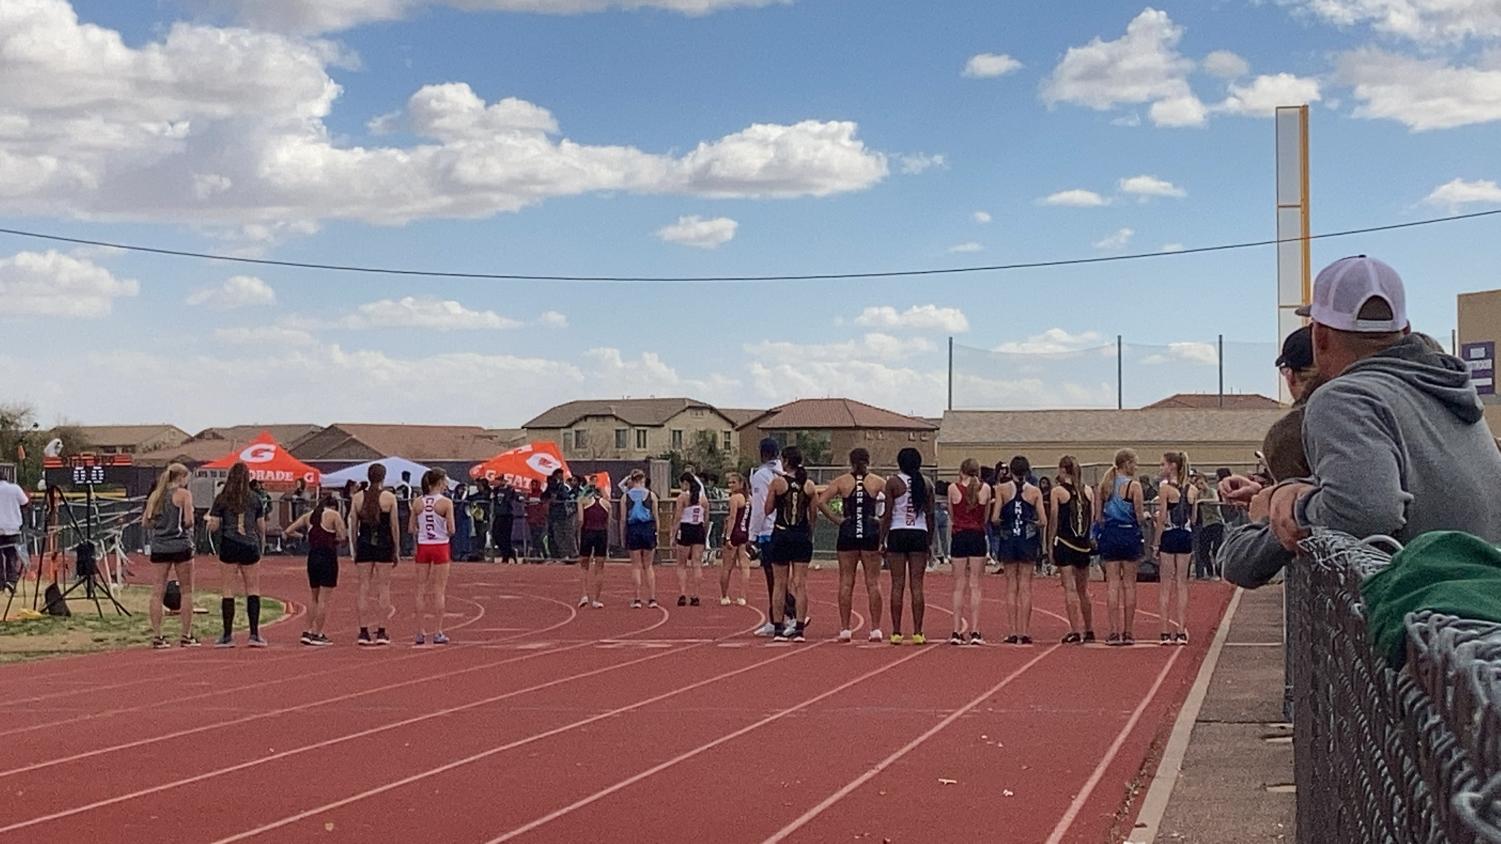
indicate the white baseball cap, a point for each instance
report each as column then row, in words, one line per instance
column 1344, row 287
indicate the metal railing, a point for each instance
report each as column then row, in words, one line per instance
column 1383, row 755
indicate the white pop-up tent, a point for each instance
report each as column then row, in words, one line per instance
column 394, row 467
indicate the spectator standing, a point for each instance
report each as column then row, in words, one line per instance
column 12, row 500
column 943, row 526
column 503, row 504
column 463, row 524
column 536, row 523
column 1211, row 527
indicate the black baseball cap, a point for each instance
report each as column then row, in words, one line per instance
column 1297, row 350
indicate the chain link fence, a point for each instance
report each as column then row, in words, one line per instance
column 1383, row 755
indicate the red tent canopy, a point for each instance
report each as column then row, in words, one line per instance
column 269, row 463
column 520, row 466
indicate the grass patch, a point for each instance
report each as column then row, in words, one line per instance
column 86, row 632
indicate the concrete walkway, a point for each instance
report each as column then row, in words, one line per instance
column 1235, row 781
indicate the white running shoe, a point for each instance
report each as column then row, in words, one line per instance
column 877, row 636
column 598, row 605
column 724, row 602
column 845, row 636
column 740, row 601
column 584, row 601
column 767, row 629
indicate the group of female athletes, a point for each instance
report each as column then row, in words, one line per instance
column 237, row 527
column 882, row 523
column 1011, row 521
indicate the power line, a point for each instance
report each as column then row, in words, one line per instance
column 1027, row 265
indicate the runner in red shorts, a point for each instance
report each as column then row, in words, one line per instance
column 432, row 524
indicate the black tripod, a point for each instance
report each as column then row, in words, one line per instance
column 86, row 563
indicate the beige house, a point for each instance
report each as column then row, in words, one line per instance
column 631, row 429
column 840, row 425
column 1212, row 438
column 132, row 439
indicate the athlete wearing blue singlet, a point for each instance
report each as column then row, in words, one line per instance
column 1121, row 544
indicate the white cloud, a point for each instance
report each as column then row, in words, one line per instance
column 1116, row 240
column 1196, row 354
column 1265, row 93
column 1418, row 20
column 241, row 291
column 649, row 375
column 52, row 284
column 1171, row 247
column 1145, row 186
column 904, row 389
column 1142, row 66
column 553, row 319
column 990, row 65
column 212, row 126
column 264, row 335
column 982, row 217
column 918, row 317
column 697, row 232
column 872, row 346
column 1457, row 193
column 1130, row 120
column 1053, row 341
column 917, row 163
column 1179, row 112
column 966, row 248
column 1226, row 65
column 1423, row 94
column 311, row 16
column 424, row 313
column 1075, row 198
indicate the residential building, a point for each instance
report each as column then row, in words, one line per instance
column 347, row 444
column 1212, row 438
column 631, row 429
column 1215, row 401
column 213, row 443
column 132, row 439
column 838, row 426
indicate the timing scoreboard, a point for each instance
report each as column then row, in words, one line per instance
column 87, row 469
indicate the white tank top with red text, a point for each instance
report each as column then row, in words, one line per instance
column 693, row 514
column 432, row 526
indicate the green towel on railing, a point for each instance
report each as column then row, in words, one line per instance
column 1445, row 571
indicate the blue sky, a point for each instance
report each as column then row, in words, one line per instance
column 805, row 136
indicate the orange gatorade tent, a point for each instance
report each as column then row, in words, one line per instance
column 269, row 463
column 520, row 466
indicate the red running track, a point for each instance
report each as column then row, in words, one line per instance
column 548, row 723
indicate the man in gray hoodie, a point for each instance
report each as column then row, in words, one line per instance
column 1396, row 439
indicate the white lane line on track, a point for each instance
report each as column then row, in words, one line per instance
column 302, row 706
column 1072, row 813
column 305, row 748
column 304, row 655
column 683, row 757
column 1154, row 805
column 910, row 746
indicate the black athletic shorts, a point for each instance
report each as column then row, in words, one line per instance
column 691, row 535
column 1019, row 549
column 641, row 536
column 594, row 543
column 908, row 541
column 364, row 553
column 1177, row 541
column 1065, row 555
column 239, row 554
column 968, row 544
column 788, row 547
column 856, row 537
column 322, row 568
column 172, row 557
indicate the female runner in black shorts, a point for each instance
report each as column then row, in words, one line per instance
column 325, row 531
column 374, row 532
column 793, row 501
column 1070, row 519
column 906, row 528
column 859, row 544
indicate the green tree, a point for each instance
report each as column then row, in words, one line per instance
column 22, row 436
column 705, row 454
column 816, row 447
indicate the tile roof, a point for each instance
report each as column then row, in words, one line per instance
column 826, row 414
column 647, row 413
column 1211, row 401
column 131, row 435
column 286, row 434
column 1168, row 426
column 345, row 441
column 738, row 416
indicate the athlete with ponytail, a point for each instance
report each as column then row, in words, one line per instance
column 1122, row 512
column 376, row 538
column 1021, row 519
column 906, row 528
column 1070, row 517
column 1175, row 545
column 732, row 554
column 969, row 501
column 169, row 519
column 859, row 544
column 691, row 516
column 792, row 501
column 325, row 531
column 432, row 524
